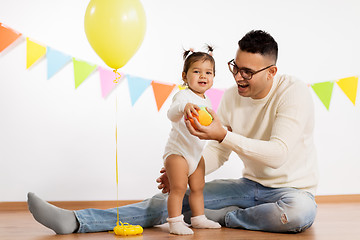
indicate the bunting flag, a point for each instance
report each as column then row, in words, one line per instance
column 137, row 86
column 161, row 92
column 107, row 80
column 56, row 60
column 349, row 87
column 7, row 36
column 34, row 52
column 82, row 70
column 215, row 96
column 182, row 87
column 324, row 90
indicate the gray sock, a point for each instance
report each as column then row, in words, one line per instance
column 62, row 221
column 218, row 215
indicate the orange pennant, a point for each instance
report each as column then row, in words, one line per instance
column 7, row 36
column 161, row 92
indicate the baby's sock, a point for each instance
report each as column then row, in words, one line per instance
column 62, row 221
column 202, row 222
column 178, row 226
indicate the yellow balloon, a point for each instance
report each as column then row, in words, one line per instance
column 115, row 29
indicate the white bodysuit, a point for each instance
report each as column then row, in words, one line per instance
column 180, row 141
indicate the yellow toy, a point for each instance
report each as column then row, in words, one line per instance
column 126, row 229
column 204, row 117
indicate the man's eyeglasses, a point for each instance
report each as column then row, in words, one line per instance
column 246, row 73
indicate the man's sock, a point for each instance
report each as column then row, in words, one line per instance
column 218, row 215
column 178, row 226
column 202, row 222
column 62, row 221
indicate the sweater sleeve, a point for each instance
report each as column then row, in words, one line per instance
column 270, row 153
column 294, row 111
column 215, row 156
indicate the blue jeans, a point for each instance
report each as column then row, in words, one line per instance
column 260, row 208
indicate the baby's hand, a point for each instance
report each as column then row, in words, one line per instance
column 190, row 110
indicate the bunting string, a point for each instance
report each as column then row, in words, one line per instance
column 56, row 60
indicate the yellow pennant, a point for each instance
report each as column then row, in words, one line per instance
column 349, row 87
column 182, row 87
column 34, row 52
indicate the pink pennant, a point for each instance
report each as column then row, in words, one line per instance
column 108, row 80
column 215, row 97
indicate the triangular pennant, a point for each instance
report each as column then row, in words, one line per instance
column 215, row 96
column 349, row 86
column 34, row 52
column 323, row 90
column 161, row 92
column 108, row 80
column 182, row 87
column 137, row 86
column 55, row 61
column 82, row 70
column 7, row 36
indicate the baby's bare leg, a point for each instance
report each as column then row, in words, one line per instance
column 177, row 171
column 196, row 199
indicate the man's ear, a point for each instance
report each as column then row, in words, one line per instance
column 272, row 72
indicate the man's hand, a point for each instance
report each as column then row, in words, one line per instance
column 214, row 131
column 163, row 181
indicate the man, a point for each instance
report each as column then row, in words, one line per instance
column 269, row 123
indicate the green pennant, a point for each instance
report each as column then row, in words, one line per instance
column 324, row 90
column 82, row 70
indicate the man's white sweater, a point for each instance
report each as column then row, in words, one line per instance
column 273, row 136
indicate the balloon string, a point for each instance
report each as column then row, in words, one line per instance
column 124, row 227
column 116, row 80
column 117, row 172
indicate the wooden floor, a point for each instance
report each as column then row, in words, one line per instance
column 334, row 221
